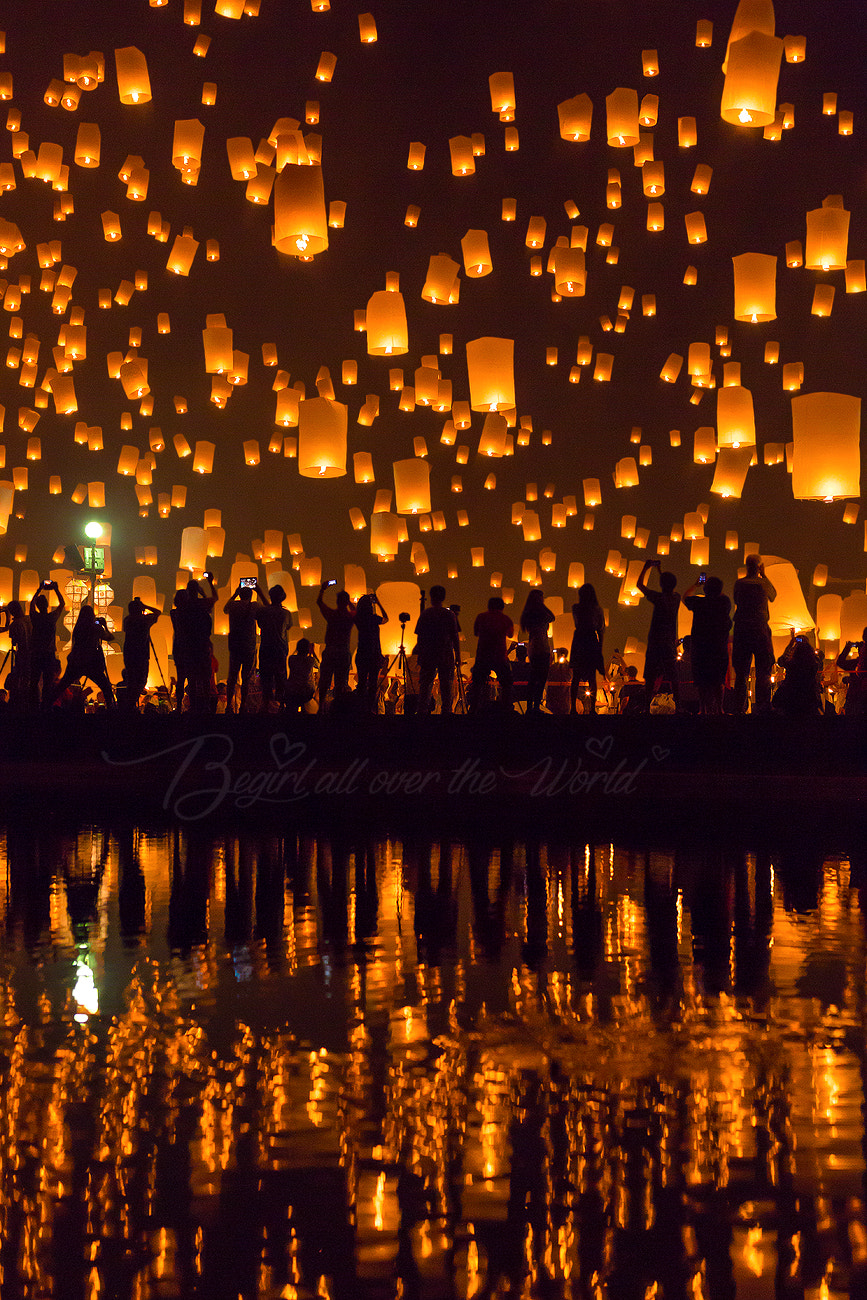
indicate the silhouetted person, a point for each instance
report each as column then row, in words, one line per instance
column 180, row 646
column 336, row 655
column 536, row 618
column 585, row 655
column 44, row 664
column 369, row 618
column 191, row 619
column 86, row 658
column 853, row 660
column 751, row 639
column 709, row 641
column 558, row 689
column 799, row 695
column 520, row 672
column 660, row 661
column 631, row 697
column 137, row 650
column 241, row 640
column 493, row 628
column 20, row 630
column 300, row 678
column 438, row 650
column 274, row 624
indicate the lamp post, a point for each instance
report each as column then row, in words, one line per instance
column 93, row 555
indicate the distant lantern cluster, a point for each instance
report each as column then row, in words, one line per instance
column 138, row 363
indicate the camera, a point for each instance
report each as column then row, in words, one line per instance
column 332, row 582
column 46, row 582
column 403, row 619
column 702, row 577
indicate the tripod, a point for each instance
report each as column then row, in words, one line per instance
column 400, row 659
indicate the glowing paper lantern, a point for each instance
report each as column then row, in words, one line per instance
column 194, row 543
column 133, row 83
column 322, row 438
column 755, row 287
column 853, row 616
column 203, row 457
column 621, row 107
column 828, row 611
column 735, row 418
column 384, row 534
column 749, row 95
column 411, row 486
column 387, row 333
column 826, row 461
column 441, row 282
column 300, row 217
column 575, row 117
column 502, row 88
column 476, row 253
column 463, row 159
column 493, row 437
column 490, row 367
column 827, row 239
column 731, row 471
column 789, row 609
column 626, row 473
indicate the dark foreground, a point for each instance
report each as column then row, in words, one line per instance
column 680, row 772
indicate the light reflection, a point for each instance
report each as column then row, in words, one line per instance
column 552, row 1039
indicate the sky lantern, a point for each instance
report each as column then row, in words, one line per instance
column 322, row 438
column 570, row 274
column 386, row 324
column 826, row 461
column 203, row 457
column 621, row 107
column 502, row 88
column 750, row 16
column 730, row 474
column 194, row 543
column 749, row 95
column 755, row 276
column 133, row 82
column 462, row 156
column 300, row 218
column 384, row 534
column 827, row 237
column 789, row 609
column 411, row 486
column 491, row 370
column 442, row 280
column 476, row 253
column 735, row 418
column 575, row 117
column 217, row 339
column 182, row 255
column 828, row 611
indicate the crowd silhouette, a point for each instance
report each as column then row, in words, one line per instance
column 726, row 664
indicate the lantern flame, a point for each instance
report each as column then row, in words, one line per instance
column 744, row 116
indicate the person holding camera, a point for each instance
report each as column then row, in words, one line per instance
column 799, row 695
column 853, row 660
column 336, row 658
column 660, row 661
column 137, row 626
column 709, row 641
column 438, row 650
column 20, row 630
column 44, row 664
column 274, row 624
column 86, row 658
column 242, row 639
column 751, row 638
column 369, row 618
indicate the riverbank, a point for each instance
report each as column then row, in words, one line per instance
column 719, row 772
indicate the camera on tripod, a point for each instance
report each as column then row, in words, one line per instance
column 403, row 619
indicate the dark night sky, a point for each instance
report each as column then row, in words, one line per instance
column 426, row 79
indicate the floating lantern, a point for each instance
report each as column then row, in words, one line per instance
column 686, row 132
column 182, row 255
column 575, row 117
column 203, row 457
column 755, row 276
column 300, row 220
column 194, row 543
column 411, row 486
column 671, row 369
column 621, row 107
column 823, row 300
column 441, row 283
column 828, row 612
column 322, row 438
column 386, row 324
column 789, row 609
column 570, row 273
column 462, row 156
column 626, row 473
column 855, row 277
column 133, row 83
column 490, row 366
column 476, row 253
column 384, row 534
column 731, row 471
column 827, row 238
column 820, row 575
column 749, row 95
column 736, row 425
column 826, row 430
column 696, row 230
column 793, row 376
column 326, row 65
